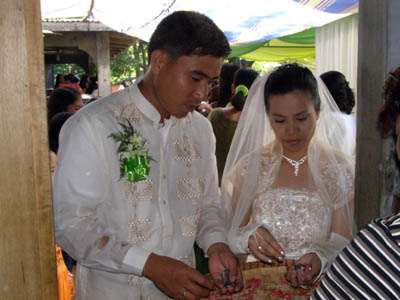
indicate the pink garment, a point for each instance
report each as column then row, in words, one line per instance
column 74, row 85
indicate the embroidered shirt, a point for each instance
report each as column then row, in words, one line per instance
column 111, row 226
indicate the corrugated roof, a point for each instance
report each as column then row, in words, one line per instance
column 69, row 20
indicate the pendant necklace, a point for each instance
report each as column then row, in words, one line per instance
column 295, row 164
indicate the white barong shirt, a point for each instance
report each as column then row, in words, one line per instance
column 111, row 226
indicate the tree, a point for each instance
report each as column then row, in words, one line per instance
column 130, row 64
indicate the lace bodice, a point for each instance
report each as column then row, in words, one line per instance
column 297, row 218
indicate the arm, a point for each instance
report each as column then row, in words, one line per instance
column 212, row 236
column 323, row 253
column 82, row 190
column 213, row 219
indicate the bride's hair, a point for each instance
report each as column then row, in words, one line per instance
column 289, row 77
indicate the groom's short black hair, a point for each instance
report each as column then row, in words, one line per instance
column 185, row 33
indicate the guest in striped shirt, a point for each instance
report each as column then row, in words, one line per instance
column 369, row 267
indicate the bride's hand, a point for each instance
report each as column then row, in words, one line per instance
column 304, row 270
column 264, row 247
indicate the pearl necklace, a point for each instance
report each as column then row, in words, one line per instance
column 295, row 164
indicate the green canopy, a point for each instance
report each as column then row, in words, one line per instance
column 299, row 46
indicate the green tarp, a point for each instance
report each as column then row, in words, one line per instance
column 299, row 47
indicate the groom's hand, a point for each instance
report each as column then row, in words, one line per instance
column 222, row 258
column 176, row 279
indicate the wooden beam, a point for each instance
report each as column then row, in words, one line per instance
column 27, row 253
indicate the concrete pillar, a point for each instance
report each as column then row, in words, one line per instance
column 103, row 63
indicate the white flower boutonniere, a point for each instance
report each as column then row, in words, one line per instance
column 132, row 153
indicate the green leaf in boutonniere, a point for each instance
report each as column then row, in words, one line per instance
column 132, row 153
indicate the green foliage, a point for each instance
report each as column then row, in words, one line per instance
column 130, row 63
column 68, row 68
column 263, row 67
column 123, row 66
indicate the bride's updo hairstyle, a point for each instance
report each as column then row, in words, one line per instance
column 287, row 78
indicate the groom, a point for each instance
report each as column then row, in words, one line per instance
column 133, row 237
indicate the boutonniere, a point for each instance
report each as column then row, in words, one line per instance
column 132, row 153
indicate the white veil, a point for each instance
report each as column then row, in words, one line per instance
column 254, row 137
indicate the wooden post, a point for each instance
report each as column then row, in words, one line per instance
column 379, row 53
column 103, row 62
column 27, row 256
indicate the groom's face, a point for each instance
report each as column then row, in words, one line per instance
column 181, row 84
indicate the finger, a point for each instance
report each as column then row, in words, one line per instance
column 293, row 279
column 217, row 279
column 256, row 251
column 301, row 277
column 238, row 283
column 196, row 290
column 200, row 280
column 310, row 276
column 271, row 247
column 289, row 272
column 189, row 296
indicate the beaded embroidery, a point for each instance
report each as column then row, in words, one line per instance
column 139, row 191
column 139, row 231
column 189, row 224
column 189, row 188
column 130, row 112
column 186, row 150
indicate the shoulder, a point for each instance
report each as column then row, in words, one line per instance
column 197, row 119
column 201, row 125
column 215, row 114
column 100, row 114
column 389, row 226
column 336, row 172
column 107, row 103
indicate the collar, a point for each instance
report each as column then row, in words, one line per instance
column 150, row 111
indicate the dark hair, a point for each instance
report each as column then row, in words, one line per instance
column 84, row 81
column 55, row 125
column 226, row 75
column 92, row 85
column 185, row 33
column 289, row 77
column 58, row 80
column 340, row 90
column 71, row 78
column 244, row 77
column 391, row 108
column 60, row 98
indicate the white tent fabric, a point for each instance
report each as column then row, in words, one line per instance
column 243, row 22
column 336, row 48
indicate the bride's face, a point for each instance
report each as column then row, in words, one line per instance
column 293, row 119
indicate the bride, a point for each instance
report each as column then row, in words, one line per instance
column 289, row 193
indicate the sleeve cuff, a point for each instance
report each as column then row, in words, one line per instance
column 323, row 265
column 212, row 238
column 239, row 238
column 135, row 260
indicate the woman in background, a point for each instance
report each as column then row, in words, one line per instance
column 343, row 95
column 64, row 261
column 63, row 99
column 225, row 119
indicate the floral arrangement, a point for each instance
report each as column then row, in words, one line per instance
column 132, row 153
